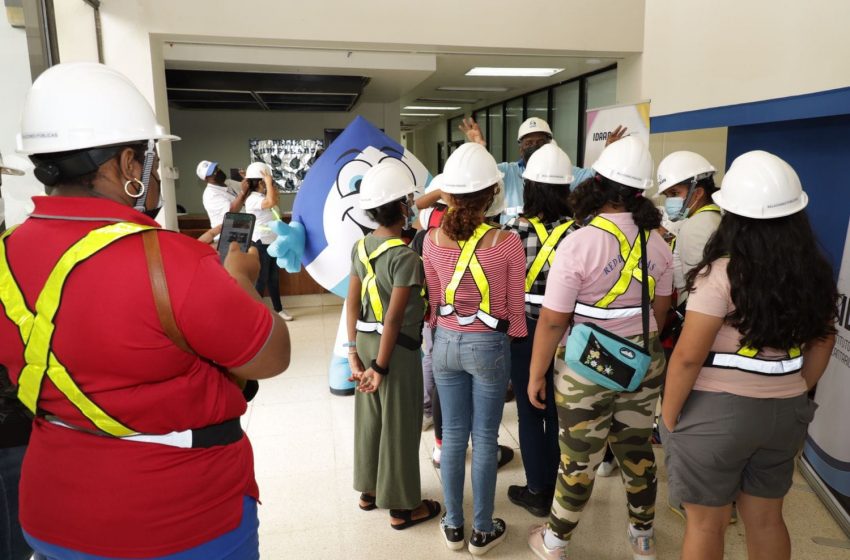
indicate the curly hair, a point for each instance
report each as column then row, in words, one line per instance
column 592, row 194
column 782, row 284
column 467, row 212
column 546, row 201
column 388, row 214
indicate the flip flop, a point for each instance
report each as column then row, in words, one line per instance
column 407, row 515
column 370, row 502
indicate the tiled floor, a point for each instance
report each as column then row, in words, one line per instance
column 303, row 446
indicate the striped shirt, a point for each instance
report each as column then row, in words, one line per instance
column 504, row 267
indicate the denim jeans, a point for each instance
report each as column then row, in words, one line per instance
column 471, row 370
column 12, row 543
column 538, row 429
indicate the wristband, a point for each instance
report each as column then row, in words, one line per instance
column 349, row 344
column 379, row 369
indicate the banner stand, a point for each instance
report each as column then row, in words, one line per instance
column 826, row 497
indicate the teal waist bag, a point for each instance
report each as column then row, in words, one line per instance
column 606, row 359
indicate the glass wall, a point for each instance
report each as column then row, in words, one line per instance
column 456, row 137
column 494, row 124
column 563, row 105
column 602, row 90
column 566, row 118
column 513, row 117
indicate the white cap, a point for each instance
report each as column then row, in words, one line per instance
column 388, row 181
column 682, row 166
column 255, row 170
column 79, row 105
column 760, row 185
column 534, row 124
column 470, row 169
column 627, row 162
column 549, row 164
column 205, row 169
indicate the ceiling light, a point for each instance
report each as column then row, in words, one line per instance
column 514, row 72
column 592, row 61
column 421, row 115
column 433, row 108
column 446, row 100
column 471, row 88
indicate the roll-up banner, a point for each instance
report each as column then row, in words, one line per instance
column 601, row 122
column 826, row 456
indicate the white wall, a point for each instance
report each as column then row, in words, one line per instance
column 76, row 36
column 14, row 62
column 708, row 142
column 223, row 136
column 701, row 54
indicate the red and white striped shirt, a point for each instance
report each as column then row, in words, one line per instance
column 504, row 267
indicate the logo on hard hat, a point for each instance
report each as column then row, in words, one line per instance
column 532, row 124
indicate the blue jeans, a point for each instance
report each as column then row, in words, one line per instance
column 12, row 543
column 241, row 543
column 538, row 429
column 471, row 370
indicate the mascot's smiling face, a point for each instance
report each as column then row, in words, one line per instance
column 328, row 203
column 343, row 218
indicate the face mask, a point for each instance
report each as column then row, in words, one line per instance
column 528, row 152
column 675, row 208
column 220, row 177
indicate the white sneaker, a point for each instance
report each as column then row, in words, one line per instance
column 435, row 457
column 539, row 548
column 643, row 548
column 607, row 468
column 284, row 315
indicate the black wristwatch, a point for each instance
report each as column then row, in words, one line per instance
column 379, row 369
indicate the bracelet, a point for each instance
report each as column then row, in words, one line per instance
column 352, row 352
column 379, row 369
column 349, row 344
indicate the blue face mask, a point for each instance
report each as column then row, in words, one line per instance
column 675, row 208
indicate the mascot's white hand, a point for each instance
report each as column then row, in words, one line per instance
column 288, row 248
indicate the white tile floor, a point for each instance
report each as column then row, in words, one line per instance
column 303, row 447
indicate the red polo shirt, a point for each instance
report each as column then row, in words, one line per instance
column 118, row 498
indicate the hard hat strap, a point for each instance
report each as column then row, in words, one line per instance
column 52, row 170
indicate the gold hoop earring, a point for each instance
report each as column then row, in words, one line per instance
column 134, row 182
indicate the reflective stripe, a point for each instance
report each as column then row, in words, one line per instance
column 602, row 313
column 535, row 299
column 631, row 255
column 370, row 281
column 37, row 330
column 367, row 327
column 707, row 208
column 464, row 320
column 547, row 249
column 174, row 439
column 745, row 360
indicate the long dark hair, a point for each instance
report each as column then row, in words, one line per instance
column 782, row 284
column 545, row 200
column 467, row 213
column 592, row 194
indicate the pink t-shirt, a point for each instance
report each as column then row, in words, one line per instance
column 588, row 264
column 712, row 295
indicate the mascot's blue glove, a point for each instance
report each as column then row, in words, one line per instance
column 288, row 248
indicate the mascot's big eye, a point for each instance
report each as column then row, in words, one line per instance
column 349, row 177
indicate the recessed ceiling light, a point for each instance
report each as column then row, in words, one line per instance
column 592, row 61
column 514, row 72
column 431, row 108
column 446, row 100
column 421, row 115
column 473, row 88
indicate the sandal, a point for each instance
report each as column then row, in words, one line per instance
column 406, row 515
column 368, row 500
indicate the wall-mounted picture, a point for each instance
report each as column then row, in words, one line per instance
column 289, row 159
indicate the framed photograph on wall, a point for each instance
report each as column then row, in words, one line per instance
column 290, row 159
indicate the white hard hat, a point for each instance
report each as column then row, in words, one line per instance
column 534, row 124
column 436, row 184
column 679, row 167
column 627, row 162
column 470, row 169
column 388, row 181
column 549, row 164
column 8, row 170
column 78, row 105
column 760, row 185
column 498, row 204
column 255, row 170
column 205, row 169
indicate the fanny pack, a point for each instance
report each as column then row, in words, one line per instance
column 607, row 359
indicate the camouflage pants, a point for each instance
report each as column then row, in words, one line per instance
column 589, row 416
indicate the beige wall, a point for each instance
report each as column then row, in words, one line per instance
column 708, row 142
column 700, row 54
